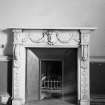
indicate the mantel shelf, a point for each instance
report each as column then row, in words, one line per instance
column 58, row 28
column 51, row 27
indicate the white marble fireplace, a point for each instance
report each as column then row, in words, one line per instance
column 51, row 38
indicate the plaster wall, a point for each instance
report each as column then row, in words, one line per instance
column 55, row 13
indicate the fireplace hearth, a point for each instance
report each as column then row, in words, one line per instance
column 51, row 64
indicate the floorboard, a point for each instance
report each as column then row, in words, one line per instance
column 50, row 102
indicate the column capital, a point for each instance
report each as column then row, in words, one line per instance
column 86, row 31
column 18, row 36
column 85, row 37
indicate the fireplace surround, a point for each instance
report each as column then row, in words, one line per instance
column 51, row 38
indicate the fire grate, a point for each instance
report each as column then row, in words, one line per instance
column 51, row 78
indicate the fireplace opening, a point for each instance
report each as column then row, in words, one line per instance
column 51, row 79
column 51, row 74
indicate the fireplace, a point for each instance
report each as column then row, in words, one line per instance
column 56, row 70
column 51, row 64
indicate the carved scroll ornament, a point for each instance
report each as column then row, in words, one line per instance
column 19, row 74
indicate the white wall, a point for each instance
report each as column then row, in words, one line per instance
column 70, row 13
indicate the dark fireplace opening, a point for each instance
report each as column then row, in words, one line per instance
column 51, row 79
column 52, row 75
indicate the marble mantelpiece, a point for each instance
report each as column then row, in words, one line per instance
column 51, row 38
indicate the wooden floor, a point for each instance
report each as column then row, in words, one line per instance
column 57, row 102
column 95, row 100
column 50, row 102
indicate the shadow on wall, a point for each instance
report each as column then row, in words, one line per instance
column 7, row 39
column 9, row 78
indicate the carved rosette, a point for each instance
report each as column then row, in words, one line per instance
column 84, row 68
column 18, row 71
